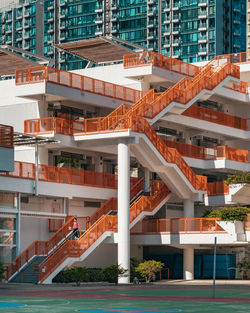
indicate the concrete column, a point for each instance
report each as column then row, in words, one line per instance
column 188, row 208
column 123, row 211
column 188, row 264
column 18, row 223
column 64, row 209
column 98, row 164
column 36, row 171
column 147, row 179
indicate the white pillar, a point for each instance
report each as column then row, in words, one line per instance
column 18, row 223
column 147, row 179
column 188, row 208
column 188, row 264
column 123, row 211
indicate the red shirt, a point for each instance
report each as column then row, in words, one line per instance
column 75, row 225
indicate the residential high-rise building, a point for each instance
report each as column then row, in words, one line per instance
column 191, row 30
column 248, row 25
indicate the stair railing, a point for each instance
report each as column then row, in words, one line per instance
column 39, row 247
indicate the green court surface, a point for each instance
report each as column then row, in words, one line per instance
column 67, row 305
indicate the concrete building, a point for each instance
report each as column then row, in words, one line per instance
column 188, row 30
column 151, row 140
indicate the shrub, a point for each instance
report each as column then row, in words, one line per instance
column 238, row 178
column 133, row 265
column 2, row 271
column 111, row 273
column 229, row 214
column 148, row 268
column 72, row 275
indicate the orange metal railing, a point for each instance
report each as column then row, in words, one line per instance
column 233, row 154
column 234, row 58
column 6, row 136
column 175, row 65
column 48, row 125
column 159, row 60
column 217, row 188
column 214, row 153
column 105, row 223
column 64, row 175
column 140, row 125
column 216, row 117
column 111, row 204
column 55, row 224
column 243, row 87
column 52, row 75
column 75, row 248
column 39, row 247
column 180, row 225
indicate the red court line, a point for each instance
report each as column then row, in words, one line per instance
column 79, row 294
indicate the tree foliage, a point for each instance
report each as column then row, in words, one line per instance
column 238, row 178
column 148, row 268
column 229, row 214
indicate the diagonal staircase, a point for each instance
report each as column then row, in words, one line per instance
column 152, row 106
column 37, row 250
column 24, row 269
column 77, row 250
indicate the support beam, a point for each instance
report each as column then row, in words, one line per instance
column 36, row 171
column 188, row 208
column 64, row 208
column 147, row 180
column 123, row 210
column 188, row 264
column 18, row 223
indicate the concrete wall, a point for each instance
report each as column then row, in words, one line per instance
column 110, row 73
column 33, row 228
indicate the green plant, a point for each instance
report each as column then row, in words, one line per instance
column 72, row 275
column 2, row 270
column 229, row 214
column 238, row 178
column 148, row 268
column 111, row 273
column 133, row 265
column 244, row 264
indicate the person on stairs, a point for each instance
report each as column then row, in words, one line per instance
column 76, row 232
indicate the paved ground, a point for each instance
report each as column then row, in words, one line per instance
column 173, row 296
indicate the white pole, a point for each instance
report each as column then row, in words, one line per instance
column 123, row 211
column 147, row 180
column 18, row 224
column 188, row 208
column 188, row 264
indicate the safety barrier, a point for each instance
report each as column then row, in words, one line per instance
column 243, row 87
column 159, row 60
column 64, row 175
column 180, row 225
column 6, row 136
column 217, row 188
column 111, row 204
column 214, row 153
column 216, row 117
column 39, row 247
column 52, row 75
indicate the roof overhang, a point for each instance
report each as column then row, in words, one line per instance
column 21, row 139
column 12, row 58
column 101, row 49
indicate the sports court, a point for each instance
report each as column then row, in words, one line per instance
column 124, row 299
